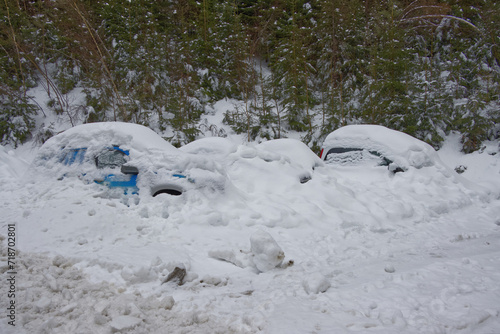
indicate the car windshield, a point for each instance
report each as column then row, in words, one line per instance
column 110, row 158
column 355, row 157
column 71, row 156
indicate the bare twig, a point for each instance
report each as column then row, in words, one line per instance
column 434, row 16
column 50, row 84
column 409, row 10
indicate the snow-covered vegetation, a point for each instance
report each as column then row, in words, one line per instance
column 422, row 67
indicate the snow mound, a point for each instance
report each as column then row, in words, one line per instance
column 481, row 167
column 316, row 283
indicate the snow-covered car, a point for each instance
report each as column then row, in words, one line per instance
column 296, row 153
column 127, row 157
column 291, row 154
column 375, row 145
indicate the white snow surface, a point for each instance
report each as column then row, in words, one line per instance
column 350, row 251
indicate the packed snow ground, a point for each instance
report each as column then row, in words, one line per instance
column 350, row 251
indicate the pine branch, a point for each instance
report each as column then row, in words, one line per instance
column 18, row 53
column 103, row 60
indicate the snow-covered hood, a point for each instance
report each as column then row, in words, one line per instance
column 294, row 151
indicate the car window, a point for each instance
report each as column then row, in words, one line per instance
column 110, row 158
column 71, row 156
column 355, row 156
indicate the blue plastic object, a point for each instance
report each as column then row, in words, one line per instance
column 120, row 181
column 117, row 148
column 75, row 154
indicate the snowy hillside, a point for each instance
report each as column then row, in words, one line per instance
column 347, row 250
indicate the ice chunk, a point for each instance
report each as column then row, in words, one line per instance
column 124, row 322
column 167, row 302
column 267, row 254
column 68, row 308
column 389, row 268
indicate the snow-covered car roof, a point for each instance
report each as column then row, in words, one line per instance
column 396, row 146
column 128, row 135
column 140, row 142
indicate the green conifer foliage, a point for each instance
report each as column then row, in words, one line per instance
column 290, row 61
column 17, row 74
column 425, row 67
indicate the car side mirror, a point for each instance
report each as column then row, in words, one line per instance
column 305, row 178
column 394, row 168
column 129, row 170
